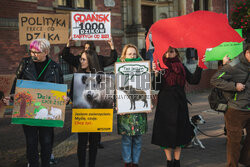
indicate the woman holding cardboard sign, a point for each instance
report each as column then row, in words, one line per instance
column 172, row 127
column 87, row 65
column 38, row 67
column 102, row 61
column 131, row 126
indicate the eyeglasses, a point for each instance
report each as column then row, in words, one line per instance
column 35, row 53
column 82, row 59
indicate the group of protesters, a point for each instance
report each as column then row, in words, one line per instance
column 171, row 129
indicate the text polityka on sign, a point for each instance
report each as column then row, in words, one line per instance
column 52, row 27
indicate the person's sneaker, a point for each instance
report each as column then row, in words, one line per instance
column 53, row 161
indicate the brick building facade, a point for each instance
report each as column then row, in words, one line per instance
column 129, row 18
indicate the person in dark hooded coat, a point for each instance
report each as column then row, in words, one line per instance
column 172, row 127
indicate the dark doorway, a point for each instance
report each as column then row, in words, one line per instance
column 147, row 16
column 196, row 5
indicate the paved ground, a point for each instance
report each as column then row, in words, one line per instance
column 152, row 156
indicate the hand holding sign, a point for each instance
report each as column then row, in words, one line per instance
column 70, row 41
column 111, row 44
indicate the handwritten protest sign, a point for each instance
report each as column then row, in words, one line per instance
column 232, row 49
column 39, row 104
column 133, row 87
column 53, row 27
column 91, row 25
column 5, row 87
column 92, row 120
column 92, row 95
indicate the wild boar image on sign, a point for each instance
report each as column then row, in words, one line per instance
column 133, row 87
column 93, row 91
column 92, row 102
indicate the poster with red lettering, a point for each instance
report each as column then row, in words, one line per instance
column 90, row 25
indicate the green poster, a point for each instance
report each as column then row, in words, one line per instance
column 232, row 49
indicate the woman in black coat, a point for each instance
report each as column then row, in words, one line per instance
column 86, row 65
column 99, row 60
column 172, row 128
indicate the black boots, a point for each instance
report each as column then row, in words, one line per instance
column 170, row 163
column 128, row 164
column 175, row 163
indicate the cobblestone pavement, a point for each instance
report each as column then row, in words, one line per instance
column 214, row 155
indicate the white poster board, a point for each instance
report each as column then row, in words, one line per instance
column 133, row 87
column 90, row 25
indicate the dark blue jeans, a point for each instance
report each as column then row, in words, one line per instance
column 34, row 134
column 83, row 139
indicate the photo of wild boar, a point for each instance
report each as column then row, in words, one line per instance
column 93, row 91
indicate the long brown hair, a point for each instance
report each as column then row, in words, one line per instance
column 124, row 50
column 93, row 62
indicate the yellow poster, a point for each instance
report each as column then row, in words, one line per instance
column 92, row 120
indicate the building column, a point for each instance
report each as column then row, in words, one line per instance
column 135, row 33
column 201, row 5
column 210, row 5
column 136, row 12
column 182, row 7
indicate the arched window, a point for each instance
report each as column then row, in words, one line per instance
column 163, row 16
column 74, row 3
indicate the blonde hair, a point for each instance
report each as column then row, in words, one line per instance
column 124, row 50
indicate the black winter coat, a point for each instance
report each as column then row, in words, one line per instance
column 171, row 124
column 27, row 71
column 104, row 61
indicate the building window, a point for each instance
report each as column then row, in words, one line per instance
column 85, row 4
column 196, row 5
column 205, row 5
column 163, row 16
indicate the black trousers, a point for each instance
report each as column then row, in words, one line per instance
column 83, row 139
column 44, row 135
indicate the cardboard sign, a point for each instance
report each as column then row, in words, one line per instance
column 5, row 88
column 232, row 49
column 39, row 104
column 133, row 87
column 53, row 27
column 92, row 120
column 91, row 25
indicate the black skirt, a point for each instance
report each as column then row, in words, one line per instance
column 172, row 127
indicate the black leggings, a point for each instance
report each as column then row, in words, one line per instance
column 34, row 134
column 83, row 139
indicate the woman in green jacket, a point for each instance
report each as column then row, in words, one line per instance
column 131, row 126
